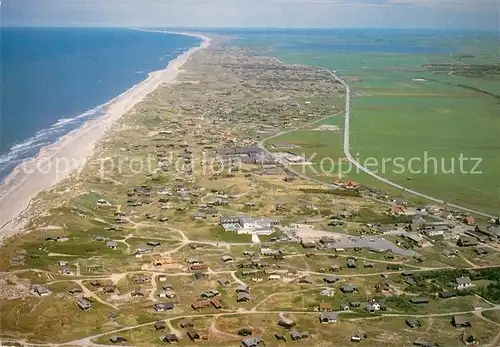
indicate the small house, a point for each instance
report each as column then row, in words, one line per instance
column 448, row 294
column 225, row 283
column 413, row 322
column 160, row 325
column 463, row 282
column 210, row 294
column 328, row 317
column 198, row 267
column 111, row 244
column 286, row 323
column 349, row 288
column 109, row 289
column 117, row 339
column 481, row 251
column 242, row 288
column 305, row 280
column 331, row 279
column 242, row 297
column 193, row 334
column 460, row 321
column 420, row 300
column 393, row 267
column 469, row 220
column 469, row 340
column 355, row 304
column 343, row 306
column 137, row 292
column 160, row 307
column 216, row 304
column 372, row 306
column 84, row 304
column 75, row 290
column 227, row 259
column 41, row 291
column 252, row 342
column 325, row 307
column 171, row 338
column 467, row 241
column 357, row 337
column 295, row 335
column 201, row 304
column 186, row 324
column 140, row 278
column 280, row 337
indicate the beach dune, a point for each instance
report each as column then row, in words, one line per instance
column 59, row 160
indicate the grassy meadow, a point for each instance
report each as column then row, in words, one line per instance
column 436, row 120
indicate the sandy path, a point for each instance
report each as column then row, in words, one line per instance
column 59, row 160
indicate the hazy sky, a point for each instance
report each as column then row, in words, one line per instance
column 452, row 14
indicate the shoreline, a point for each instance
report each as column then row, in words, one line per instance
column 42, row 172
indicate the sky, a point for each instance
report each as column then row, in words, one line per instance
column 410, row 14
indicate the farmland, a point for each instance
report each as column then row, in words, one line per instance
column 420, row 105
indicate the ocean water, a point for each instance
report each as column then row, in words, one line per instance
column 384, row 41
column 55, row 79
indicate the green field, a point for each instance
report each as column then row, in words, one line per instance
column 393, row 118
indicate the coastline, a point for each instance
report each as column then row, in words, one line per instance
column 70, row 153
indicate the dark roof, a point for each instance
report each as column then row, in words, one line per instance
column 412, row 321
column 171, row 338
column 460, row 320
column 160, row 325
column 193, row 334
column 331, row 316
column 448, row 294
column 252, row 341
column 420, row 300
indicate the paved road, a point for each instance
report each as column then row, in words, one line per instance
column 373, row 174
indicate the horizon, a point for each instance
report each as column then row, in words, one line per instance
column 255, row 28
column 480, row 15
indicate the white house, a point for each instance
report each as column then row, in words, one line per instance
column 248, row 225
column 372, row 306
column 434, row 232
column 463, row 282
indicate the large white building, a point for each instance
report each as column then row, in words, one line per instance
column 248, row 225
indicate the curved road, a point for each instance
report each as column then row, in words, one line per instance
column 373, row 174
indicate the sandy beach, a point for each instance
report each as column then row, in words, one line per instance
column 63, row 158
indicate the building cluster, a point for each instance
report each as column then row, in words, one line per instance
column 248, row 225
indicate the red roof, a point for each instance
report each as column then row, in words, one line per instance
column 470, row 220
column 397, row 209
column 198, row 267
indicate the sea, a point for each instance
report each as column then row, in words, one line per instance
column 55, row 79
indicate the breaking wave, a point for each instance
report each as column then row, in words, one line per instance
column 30, row 147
